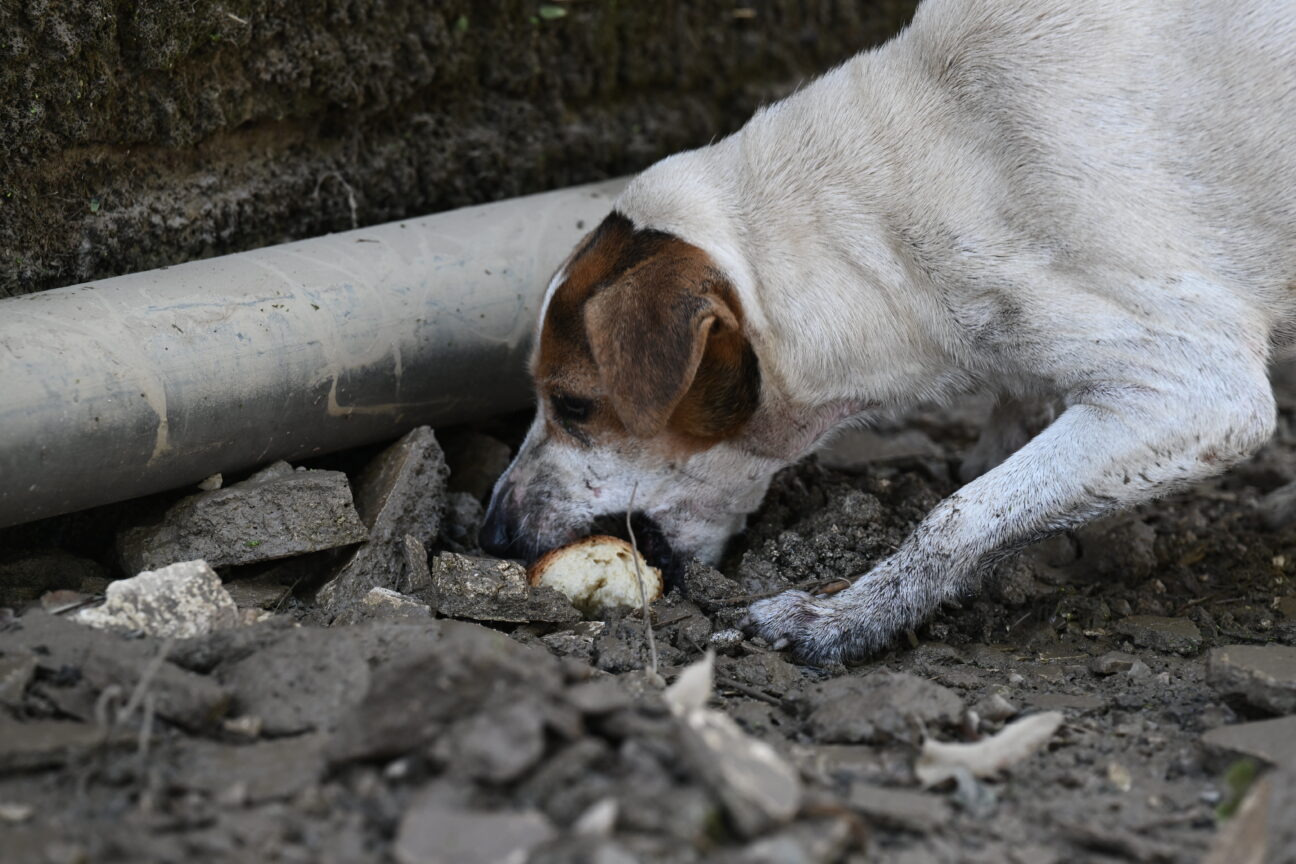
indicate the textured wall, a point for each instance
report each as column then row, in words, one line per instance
column 139, row 134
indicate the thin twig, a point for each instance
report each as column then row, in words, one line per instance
column 752, row 692
column 643, row 594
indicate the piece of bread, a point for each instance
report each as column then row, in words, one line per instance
column 597, row 573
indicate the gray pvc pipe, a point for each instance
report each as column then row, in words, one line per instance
column 119, row 388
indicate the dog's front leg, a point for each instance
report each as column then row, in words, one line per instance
column 1111, row 448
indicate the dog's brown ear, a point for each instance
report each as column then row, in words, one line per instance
column 649, row 336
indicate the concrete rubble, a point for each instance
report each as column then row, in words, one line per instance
column 1172, row 635
column 180, row 601
column 276, row 513
column 487, row 589
column 400, row 493
column 1263, row 675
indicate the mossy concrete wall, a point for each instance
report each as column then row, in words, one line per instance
column 140, row 134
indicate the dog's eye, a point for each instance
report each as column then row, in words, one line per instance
column 571, row 409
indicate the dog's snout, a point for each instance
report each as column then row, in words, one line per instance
column 498, row 535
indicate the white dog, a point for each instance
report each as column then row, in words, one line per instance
column 1091, row 201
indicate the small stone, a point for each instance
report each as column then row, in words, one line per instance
column 431, row 832
column 268, row 516
column 1138, row 669
column 212, row 483
column 727, row 641
column 1274, row 741
column 703, row 582
column 899, row 808
column 181, row 601
column 14, row 812
column 1079, row 703
column 1171, row 635
column 995, row 708
column 877, row 708
column 822, row 841
column 1112, row 663
column 401, row 492
column 384, row 604
column 1263, row 675
column 488, row 589
column 598, row 696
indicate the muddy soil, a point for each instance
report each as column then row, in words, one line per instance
column 396, row 736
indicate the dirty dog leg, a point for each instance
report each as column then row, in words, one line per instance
column 1012, row 423
column 1112, row 447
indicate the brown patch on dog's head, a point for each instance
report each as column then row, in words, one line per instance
column 645, row 335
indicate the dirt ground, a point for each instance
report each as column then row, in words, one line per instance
column 393, row 735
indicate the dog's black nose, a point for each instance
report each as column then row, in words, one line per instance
column 498, row 533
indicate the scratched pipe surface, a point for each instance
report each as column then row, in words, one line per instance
column 127, row 386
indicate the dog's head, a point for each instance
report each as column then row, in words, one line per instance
column 646, row 383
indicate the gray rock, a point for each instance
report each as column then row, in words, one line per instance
column 401, row 492
column 304, row 681
column 258, row 592
column 822, row 841
column 1278, row 508
column 465, row 669
column 49, row 743
column 16, row 672
column 877, row 708
column 703, row 582
column 1171, row 635
column 995, row 708
column 1112, row 663
column 432, row 832
column 1263, row 675
column 1274, row 741
column 598, row 696
column 105, row 659
column 384, row 604
column 270, row 515
column 263, row 771
column 181, row 601
column 899, row 808
column 488, row 589
column 463, row 520
column 496, row 745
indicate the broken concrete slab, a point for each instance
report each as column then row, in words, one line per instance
column 384, row 604
column 488, row 589
column 1171, row 635
column 266, row 591
column 181, row 601
column 1274, row 741
column 432, row 832
column 271, row 515
column 877, row 708
column 1263, row 675
column 401, row 492
column 192, row 701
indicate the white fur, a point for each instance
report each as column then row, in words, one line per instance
column 1091, row 201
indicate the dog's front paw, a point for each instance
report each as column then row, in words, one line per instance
column 815, row 631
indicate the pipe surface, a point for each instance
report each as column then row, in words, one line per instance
column 132, row 385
